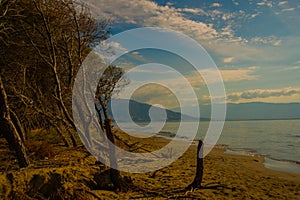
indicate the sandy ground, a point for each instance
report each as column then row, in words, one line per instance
column 225, row 177
column 70, row 173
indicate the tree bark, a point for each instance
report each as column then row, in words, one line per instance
column 18, row 125
column 199, row 169
column 9, row 130
column 99, row 117
column 115, row 176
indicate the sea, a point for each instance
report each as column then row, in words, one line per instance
column 277, row 140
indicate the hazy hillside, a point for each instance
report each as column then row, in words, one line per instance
column 139, row 112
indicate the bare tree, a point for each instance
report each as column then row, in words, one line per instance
column 41, row 57
column 42, row 45
column 110, row 83
column 9, row 130
column 9, row 123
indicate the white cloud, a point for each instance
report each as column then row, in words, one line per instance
column 266, row 40
column 228, row 60
column 169, row 4
column 227, row 16
column 288, row 9
column 289, row 68
column 262, row 94
column 227, row 31
column 196, row 80
column 153, row 72
column 135, row 53
column 277, row 43
column 148, row 13
column 265, row 3
column 109, row 50
column 162, row 96
column 282, row 3
column 192, row 10
column 222, row 42
column 255, row 15
column 216, row 5
column 177, row 22
column 254, row 67
column 235, row 3
column 230, row 75
column 235, row 75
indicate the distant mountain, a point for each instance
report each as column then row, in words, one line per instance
column 259, row 110
column 139, row 112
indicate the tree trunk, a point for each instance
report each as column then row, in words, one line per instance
column 99, row 116
column 61, row 135
column 199, row 170
column 114, row 172
column 9, row 130
column 115, row 176
column 74, row 144
column 18, row 125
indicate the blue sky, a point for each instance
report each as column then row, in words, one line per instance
column 255, row 44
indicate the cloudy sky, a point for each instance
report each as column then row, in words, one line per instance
column 255, row 44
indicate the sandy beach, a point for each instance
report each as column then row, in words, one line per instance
column 226, row 176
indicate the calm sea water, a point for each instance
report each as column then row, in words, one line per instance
column 278, row 140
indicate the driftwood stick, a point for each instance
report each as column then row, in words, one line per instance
column 199, row 169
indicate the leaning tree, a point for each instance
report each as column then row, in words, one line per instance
column 111, row 82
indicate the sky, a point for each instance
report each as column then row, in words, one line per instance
column 255, row 44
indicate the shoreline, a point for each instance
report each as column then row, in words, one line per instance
column 235, row 176
column 269, row 162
